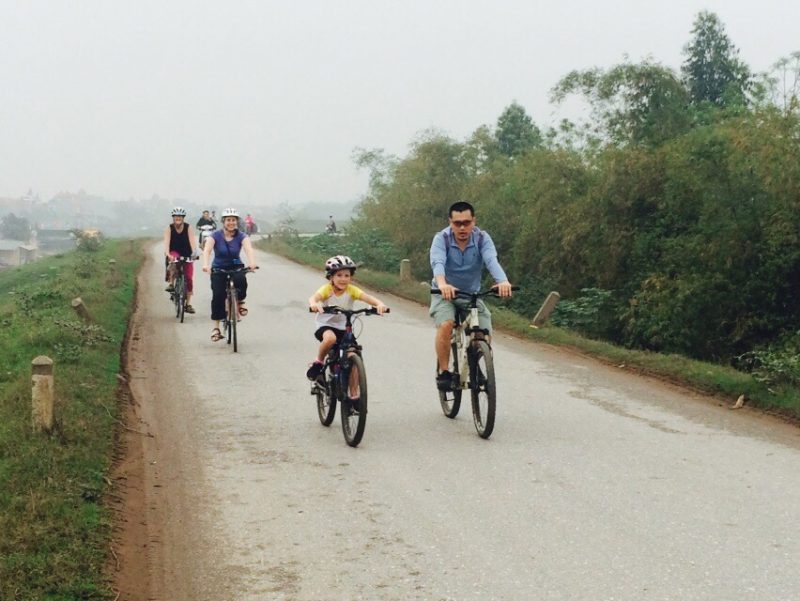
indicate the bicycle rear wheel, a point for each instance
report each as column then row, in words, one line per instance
column 325, row 391
column 451, row 399
column 233, row 317
column 354, row 408
column 482, row 384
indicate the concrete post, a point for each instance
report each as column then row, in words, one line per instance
column 81, row 310
column 42, row 393
column 405, row 270
column 546, row 309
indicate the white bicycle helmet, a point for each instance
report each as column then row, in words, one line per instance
column 230, row 212
column 179, row 212
column 338, row 263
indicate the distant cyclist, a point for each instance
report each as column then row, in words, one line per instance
column 458, row 255
column 205, row 225
column 339, row 291
column 227, row 244
column 179, row 242
column 249, row 225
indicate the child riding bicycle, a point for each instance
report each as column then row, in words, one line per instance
column 340, row 292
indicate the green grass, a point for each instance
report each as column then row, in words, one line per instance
column 709, row 378
column 54, row 529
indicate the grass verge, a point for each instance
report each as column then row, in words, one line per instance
column 709, row 378
column 54, row 528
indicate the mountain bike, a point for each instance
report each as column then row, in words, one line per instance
column 231, row 305
column 344, row 379
column 178, row 296
column 472, row 365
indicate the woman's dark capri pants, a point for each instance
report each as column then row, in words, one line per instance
column 218, row 292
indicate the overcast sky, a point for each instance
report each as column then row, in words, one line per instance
column 263, row 102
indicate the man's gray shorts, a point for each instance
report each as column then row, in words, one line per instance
column 443, row 310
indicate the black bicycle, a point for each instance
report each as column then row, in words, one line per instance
column 344, row 379
column 231, row 304
column 178, row 295
column 472, row 365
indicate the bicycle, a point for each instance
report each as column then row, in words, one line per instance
column 343, row 373
column 472, row 365
column 178, row 295
column 231, row 304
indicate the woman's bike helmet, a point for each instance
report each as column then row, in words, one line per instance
column 179, row 212
column 229, row 212
column 338, row 263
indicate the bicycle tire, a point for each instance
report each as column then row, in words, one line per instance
column 180, row 297
column 483, row 387
column 326, row 398
column 234, row 318
column 451, row 400
column 354, row 418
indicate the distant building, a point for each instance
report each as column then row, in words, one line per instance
column 55, row 240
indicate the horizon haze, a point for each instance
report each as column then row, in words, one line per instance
column 264, row 103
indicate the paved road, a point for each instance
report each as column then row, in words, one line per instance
column 596, row 485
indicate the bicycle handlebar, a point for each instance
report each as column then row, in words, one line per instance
column 231, row 271
column 335, row 309
column 182, row 260
column 487, row 292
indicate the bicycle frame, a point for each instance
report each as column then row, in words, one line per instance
column 232, row 304
column 472, row 359
column 465, row 331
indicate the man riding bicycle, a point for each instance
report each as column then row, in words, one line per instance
column 458, row 254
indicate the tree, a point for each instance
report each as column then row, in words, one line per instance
column 15, row 228
column 516, row 132
column 641, row 103
column 712, row 70
column 781, row 85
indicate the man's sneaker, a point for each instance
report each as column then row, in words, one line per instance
column 169, row 288
column 444, row 381
column 315, row 370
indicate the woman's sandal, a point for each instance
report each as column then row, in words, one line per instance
column 242, row 310
column 216, row 335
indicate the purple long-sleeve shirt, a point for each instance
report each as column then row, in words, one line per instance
column 463, row 269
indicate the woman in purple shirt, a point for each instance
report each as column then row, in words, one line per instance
column 227, row 244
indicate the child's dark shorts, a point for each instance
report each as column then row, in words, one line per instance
column 339, row 333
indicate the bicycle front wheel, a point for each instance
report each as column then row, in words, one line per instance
column 180, row 297
column 450, row 400
column 233, row 317
column 325, row 391
column 482, row 384
column 354, row 402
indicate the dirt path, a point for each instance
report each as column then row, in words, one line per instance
column 156, row 477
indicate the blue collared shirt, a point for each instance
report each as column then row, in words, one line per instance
column 463, row 269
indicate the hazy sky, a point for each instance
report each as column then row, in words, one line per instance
column 263, row 102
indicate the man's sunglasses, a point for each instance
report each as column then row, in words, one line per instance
column 464, row 223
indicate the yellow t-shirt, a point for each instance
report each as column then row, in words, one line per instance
column 329, row 299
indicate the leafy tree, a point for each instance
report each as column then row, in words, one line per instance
column 642, row 103
column 780, row 86
column 15, row 228
column 408, row 202
column 515, row 132
column 712, row 70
